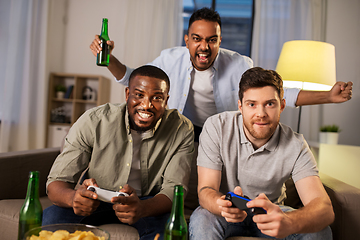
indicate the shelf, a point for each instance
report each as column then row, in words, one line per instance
column 60, row 124
column 62, row 100
column 63, row 112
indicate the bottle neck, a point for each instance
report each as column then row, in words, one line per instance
column 33, row 186
column 178, row 201
column 104, row 30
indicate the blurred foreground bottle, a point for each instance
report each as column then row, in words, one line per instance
column 176, row 226
column 31, row 212
column 102, row 58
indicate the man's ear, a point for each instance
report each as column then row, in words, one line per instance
column 240, row 106
column 186, row 39
column 282, row 105
column 127, row 92
column 166, row 102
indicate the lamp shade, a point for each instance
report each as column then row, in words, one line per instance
column 309, row 65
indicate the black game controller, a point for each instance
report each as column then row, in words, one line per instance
column 240, row 203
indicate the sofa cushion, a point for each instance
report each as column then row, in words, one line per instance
column 120, row 231
column 9, row 216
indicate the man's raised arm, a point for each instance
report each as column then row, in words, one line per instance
column 340, row 92
column 115, row 66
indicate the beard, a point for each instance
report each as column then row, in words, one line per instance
column 264, row 133
column 135, row 127
column 138, row 128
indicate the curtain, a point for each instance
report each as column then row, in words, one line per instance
column 279, row 21
column 149, row 26
column 23, row 25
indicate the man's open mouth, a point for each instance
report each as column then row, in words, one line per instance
column 203, row 57
column 145, row 115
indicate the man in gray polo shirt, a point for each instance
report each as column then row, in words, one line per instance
column 250, row 153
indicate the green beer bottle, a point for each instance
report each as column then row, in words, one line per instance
column 176, row 226
column 31, row 211
column 102, row 58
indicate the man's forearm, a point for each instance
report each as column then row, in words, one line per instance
column 157, row 205
column 312, row 97
column 116, row 67
column 61, row 194
column 314, row 217
column 207, row 199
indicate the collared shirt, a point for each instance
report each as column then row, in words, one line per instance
column 224, row 147
column 227, row 70
column 101, row 140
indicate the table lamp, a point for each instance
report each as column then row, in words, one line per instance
column 309, row 65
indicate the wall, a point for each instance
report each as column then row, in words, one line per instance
column 345, row 170
column 343, row 31
column 72, row 28
column 82, row 20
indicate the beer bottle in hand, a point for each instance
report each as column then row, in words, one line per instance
column 102, row 58
column 31, row 211
column 176, row 226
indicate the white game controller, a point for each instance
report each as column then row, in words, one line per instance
column 106, row 195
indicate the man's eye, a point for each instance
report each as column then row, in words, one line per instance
column 196, row 39
column 158, row 98
column 251, row 104
column 213, row 40
column 271, row 104
column 138, row 94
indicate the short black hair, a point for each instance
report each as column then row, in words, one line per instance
column 150, row 71
column 258, row 77
column 205, row 14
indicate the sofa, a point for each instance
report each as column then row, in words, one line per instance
column 15, row 167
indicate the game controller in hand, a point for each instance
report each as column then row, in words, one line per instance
column 106, row 195
column 240, row 203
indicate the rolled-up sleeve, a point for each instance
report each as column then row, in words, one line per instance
column 125, row 79
column 291, row 95
column 75, row 157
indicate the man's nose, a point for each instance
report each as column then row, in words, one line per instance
column 261, row 111
column 146, row 103
column 204, row 45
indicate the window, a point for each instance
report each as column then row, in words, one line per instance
column 236, row 19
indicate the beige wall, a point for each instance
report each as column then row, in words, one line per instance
column 343, row 31
column 341, row 162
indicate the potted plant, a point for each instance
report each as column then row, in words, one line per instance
column 60, row 90
column 329, row 134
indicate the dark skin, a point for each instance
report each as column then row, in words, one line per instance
column 146, row 99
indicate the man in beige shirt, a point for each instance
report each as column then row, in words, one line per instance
column 139, row 148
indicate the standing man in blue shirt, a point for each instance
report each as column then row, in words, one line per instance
column 205, row 77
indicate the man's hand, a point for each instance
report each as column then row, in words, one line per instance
column 231, row 214
column 275, row 223
column 95, row 45
column 84, row 201
column 128, row 209
column 341, row 92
